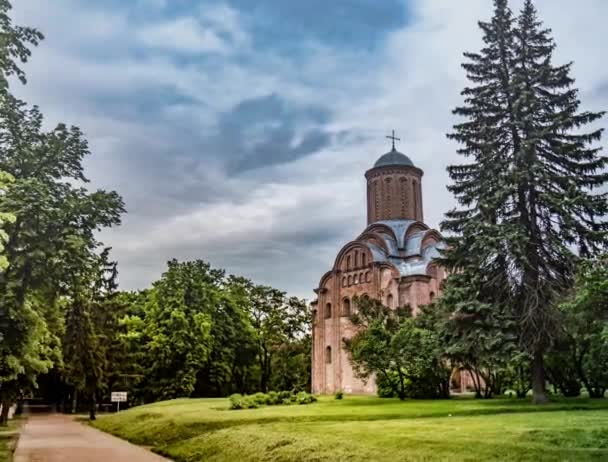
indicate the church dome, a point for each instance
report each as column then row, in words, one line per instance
column 393, row 158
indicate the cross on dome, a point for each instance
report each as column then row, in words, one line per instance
column 394, row 138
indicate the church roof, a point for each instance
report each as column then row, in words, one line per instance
column 393, row 157
column 403, row 244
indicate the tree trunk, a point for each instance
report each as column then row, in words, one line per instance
column 4, row 413
column 539, row 394
column 74, row 401
column 92, row 407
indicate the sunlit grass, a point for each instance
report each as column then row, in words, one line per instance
column 8, row 436
column 368, row 428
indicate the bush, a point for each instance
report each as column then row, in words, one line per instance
column 273, row 398
column 339, row 394
column 238, row 401
column 260, row 399
column 305, row 398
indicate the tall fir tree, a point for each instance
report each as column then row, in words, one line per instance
column 528, row 194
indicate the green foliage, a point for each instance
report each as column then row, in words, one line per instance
column 339, row 394
column 402, row 355
column 580, row 357
column 238, row 401
column 478, row 336
column 279, row 326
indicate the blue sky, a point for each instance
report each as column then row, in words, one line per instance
column 238, row 131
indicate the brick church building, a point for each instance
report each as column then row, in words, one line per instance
column 392, row 260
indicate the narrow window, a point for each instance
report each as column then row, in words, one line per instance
column 314, row 315
column 356, row 279
column 344, row 281
column 364, row 259
column 348, row 262
column 328, row 355
column 361, row 278
column 356, row 258
column 346, row 308
column 328, row 311
column 350, row 280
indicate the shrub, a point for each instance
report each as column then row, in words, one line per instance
column 237, row 401
column 273, row 398
column 339, row 394
column 305, row 398
column 260, row 399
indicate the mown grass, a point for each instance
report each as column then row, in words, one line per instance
column 367, row 428
column 8, row 437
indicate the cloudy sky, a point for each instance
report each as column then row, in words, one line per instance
column 238, row 131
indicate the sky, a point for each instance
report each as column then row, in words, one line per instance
column 239, row 131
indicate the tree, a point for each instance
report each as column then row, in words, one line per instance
column 585, row 350
column 276, row 321
column 85, row 349
column 527, row 197
column 177, row 329
column 478, row 336
column 400, row 355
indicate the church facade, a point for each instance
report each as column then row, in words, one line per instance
column 392, row 260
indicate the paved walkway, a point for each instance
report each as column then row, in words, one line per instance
column 58, row 438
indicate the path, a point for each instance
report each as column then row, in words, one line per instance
column 58, row 438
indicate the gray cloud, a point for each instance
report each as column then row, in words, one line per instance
column 253, row 158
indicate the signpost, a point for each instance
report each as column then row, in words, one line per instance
column 119, row 397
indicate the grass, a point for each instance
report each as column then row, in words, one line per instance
column 361, row 428
column 8, row 437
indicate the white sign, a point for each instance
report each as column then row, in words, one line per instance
column 119, row 396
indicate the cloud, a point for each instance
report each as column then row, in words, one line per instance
column 239, row 131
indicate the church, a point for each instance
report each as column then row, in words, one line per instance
column 392, row 260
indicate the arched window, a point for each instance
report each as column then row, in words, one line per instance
column 328, row 355
column 389, row 301
column 432, row 296
column 356, row 258
column 361, row 278
column 328, row 311
column 348, row 262
column 356, row 279
column 346, row 307
column 314, row 315
column 344, row 281
column 350, row 280
column 364, row 259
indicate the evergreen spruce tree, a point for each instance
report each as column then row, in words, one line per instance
column 528, row 195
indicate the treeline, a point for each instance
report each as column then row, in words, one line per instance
column 196, row 332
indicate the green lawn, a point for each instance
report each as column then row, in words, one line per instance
column 368, row 428
column 8, row 436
